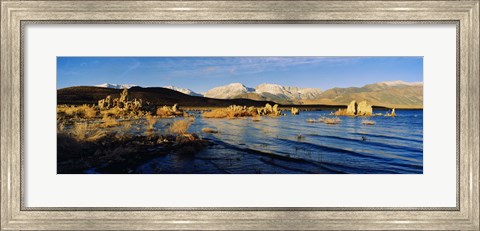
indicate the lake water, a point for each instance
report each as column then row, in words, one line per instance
column 290, row 145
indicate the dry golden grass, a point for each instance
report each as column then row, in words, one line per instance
column 88, row 112
column 79, row 131
column 167, row 111
column 232, row 111
column 86, row 132
column 83, row 111
column 69, row 111
column 109, row 121
column 209, row 130
column 98, row 134
column 164, row 112
column 113, row 112
column 179, row 127
column 368, row 122
column 151, row 121
column 215, row 113
column 332, row 121
column 60, row 126
column 127, row 125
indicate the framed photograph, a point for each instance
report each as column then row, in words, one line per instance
column 240, row 115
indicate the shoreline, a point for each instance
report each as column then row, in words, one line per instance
column 300, row 107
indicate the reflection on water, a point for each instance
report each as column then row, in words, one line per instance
column 289, row 144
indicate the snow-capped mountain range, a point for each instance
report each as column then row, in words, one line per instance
column 287, row 95
column 228, row 91
column 267, row 90
column 116, row 86
column 399, row 83
column 236, row 90
column 183, row 90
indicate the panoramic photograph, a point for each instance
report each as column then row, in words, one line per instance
column 240, row 115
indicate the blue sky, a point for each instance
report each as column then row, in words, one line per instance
column 203, row 73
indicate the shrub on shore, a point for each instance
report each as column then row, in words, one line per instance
column 151, row 121
column 109, row 121
column 232, row 111
column 113, row 112
column 89, row 112
column 82, row 132
column 179, row 127
column 79, row 131
column 235, row 111
column 167, row 111
column 76, row 112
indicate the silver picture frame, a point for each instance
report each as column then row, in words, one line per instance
column 15, row 15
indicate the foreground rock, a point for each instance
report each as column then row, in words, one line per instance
column 114, row 154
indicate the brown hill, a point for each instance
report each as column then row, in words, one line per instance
column 265, row 97
column 402, row 96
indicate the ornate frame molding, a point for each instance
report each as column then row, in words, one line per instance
column 14, row 14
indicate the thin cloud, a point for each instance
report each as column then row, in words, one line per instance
column 131, row 68
column 241, row 65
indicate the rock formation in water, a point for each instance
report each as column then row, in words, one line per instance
column 269, row 110
column 275, row 110
column 364, row 109
column 393, row 114
column 354, row 109
column 294, row 111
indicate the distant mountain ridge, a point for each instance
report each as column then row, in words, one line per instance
column 398, row 94
column 128, row 86
column 266, row 91
column 394, row 94
column 116, row 86
column 183, row 90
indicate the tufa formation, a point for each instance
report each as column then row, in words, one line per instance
column 123, row 102
column 356, row 109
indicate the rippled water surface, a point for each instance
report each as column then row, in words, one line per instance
column 288, row 144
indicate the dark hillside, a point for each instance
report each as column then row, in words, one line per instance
column 155, row 95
